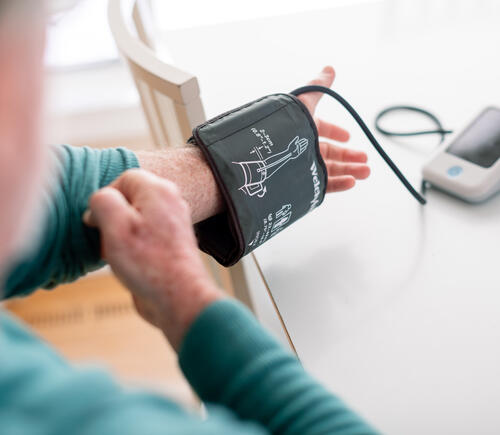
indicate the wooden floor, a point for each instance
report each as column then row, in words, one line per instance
column 93, row 321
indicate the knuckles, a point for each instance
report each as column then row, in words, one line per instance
column 135, row 180
column 158, row 189
column 168, row 189
column 171, row 194
column 131, row 181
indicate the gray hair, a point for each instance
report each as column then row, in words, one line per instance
column 7, row 6
column 3, row 4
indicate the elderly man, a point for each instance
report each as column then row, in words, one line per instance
column 140, row 222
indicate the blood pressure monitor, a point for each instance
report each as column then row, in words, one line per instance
column 468, row 164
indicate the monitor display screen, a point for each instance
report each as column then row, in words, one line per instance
column 480, row 142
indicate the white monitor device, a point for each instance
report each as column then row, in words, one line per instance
column 467, row 165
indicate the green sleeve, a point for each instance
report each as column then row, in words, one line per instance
column 67, row 249
column 250, row 384
column 41, row 394
column 229, row 359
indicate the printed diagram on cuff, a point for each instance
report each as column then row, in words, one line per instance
column 257, row 172
column 272, row 225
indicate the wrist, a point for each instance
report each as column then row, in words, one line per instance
column 177, row 312
column 188, row 169
column 207, row 196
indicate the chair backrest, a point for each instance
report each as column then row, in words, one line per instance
column 171, row 101
column 170, row 97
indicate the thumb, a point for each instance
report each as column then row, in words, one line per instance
column 324, row 78
column 109, row 211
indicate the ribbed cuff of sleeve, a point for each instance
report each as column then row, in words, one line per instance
column 115, row 161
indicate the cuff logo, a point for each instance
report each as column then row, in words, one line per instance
column 316, row 189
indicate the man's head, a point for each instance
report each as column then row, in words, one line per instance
column 22, row 33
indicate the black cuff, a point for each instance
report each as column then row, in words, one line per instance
column 266, row 160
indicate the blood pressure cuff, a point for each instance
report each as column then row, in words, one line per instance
column 266, row 160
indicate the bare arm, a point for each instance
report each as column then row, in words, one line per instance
column 189, row 170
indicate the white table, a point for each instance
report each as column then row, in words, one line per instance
column 394, row 306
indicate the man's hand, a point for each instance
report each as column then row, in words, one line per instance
column 344, row 165
column 148, row 240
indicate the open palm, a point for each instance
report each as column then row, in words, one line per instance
column 344, row 165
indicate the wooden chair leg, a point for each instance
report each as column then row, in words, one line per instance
column 241, row 289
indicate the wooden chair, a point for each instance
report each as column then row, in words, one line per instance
column 171, row 102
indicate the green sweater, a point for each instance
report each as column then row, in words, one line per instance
column 250, row 384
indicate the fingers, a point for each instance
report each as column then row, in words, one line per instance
column 359, row 171
column 324, row 78
column 109, row 211
column 149, row 193
column 333, row 152
column 331, row 131
column 303, row 144
column 344, row 167
column 339, row 184
column 133, row 184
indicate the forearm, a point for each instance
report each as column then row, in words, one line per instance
column 187, row 168
column 247, row 371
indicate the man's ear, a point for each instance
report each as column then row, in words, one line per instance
column 22, row 157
